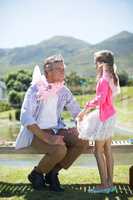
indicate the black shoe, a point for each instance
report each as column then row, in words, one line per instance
column 37, row 180
column 55, row 188
column 48, row 178
column 52, row 179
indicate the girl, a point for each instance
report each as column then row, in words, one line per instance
column 99, row 124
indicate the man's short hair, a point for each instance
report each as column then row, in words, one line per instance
column 50, row 61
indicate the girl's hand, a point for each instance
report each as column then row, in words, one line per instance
column 80, row 116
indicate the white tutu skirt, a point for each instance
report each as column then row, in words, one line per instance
column 92, row 128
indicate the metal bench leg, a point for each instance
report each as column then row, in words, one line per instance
column 131, row 177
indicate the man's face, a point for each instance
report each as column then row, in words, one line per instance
column 56, row 74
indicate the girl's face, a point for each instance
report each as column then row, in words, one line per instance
column 99, row 66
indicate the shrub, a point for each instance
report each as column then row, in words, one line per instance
column 17, row 114
column 16, row 98
column 123, row 78
column 4, row 106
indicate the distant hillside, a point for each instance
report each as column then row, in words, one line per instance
column 78, row 54
column 121, row 44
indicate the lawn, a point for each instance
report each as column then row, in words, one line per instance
column 5, row 115
column 76, row 181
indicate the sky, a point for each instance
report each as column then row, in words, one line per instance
column 25, row 22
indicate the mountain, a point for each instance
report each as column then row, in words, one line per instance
column 120, row 44
column 78, row 54
column 67, row 46
column 122, row 47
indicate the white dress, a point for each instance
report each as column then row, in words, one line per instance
column 92, row 128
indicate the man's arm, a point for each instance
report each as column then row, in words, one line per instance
column 45, row 136
column 35, row 129
column 27, row 117
column 71, row 104
column 28, row 120
column 29, row 106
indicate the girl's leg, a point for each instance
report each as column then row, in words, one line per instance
column 109, row 161
column 101, row 162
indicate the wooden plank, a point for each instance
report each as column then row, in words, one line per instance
column 12, row 150
column 117, row 147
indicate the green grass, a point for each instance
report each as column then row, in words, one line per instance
column 124, row 105
column 5, row 114
column 14, row 185
column 122, row 137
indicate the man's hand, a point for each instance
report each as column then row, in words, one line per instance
column 73, row 131
column 46, row 136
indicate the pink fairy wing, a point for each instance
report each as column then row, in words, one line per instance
column 44, row 80
column 36, row 76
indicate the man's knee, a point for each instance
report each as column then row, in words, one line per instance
column 82, row 144
column 79, row 142
column 59, row 151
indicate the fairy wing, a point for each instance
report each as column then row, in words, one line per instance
column 36, row 76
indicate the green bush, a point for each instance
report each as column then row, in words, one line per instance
column 17, row 84
column 4, row 106
column 10, row 117
column 130, row 82
column 16, row 98
column 17, row 114
column 123, row 78
column 18, row 81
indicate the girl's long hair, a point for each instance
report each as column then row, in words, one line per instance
column 106, row 58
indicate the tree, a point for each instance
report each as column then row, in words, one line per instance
column 16, row 98
column 77, row 84
column 123, row 78
column 18, row 81
column 17, row 84
column 130, row 81
column 74, row 80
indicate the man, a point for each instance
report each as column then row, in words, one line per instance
column 43, row 129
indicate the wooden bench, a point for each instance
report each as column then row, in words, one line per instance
column 117, row 147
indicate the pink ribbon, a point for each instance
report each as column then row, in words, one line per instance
column 45, row 91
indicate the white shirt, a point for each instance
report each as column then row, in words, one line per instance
column 48, row 115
